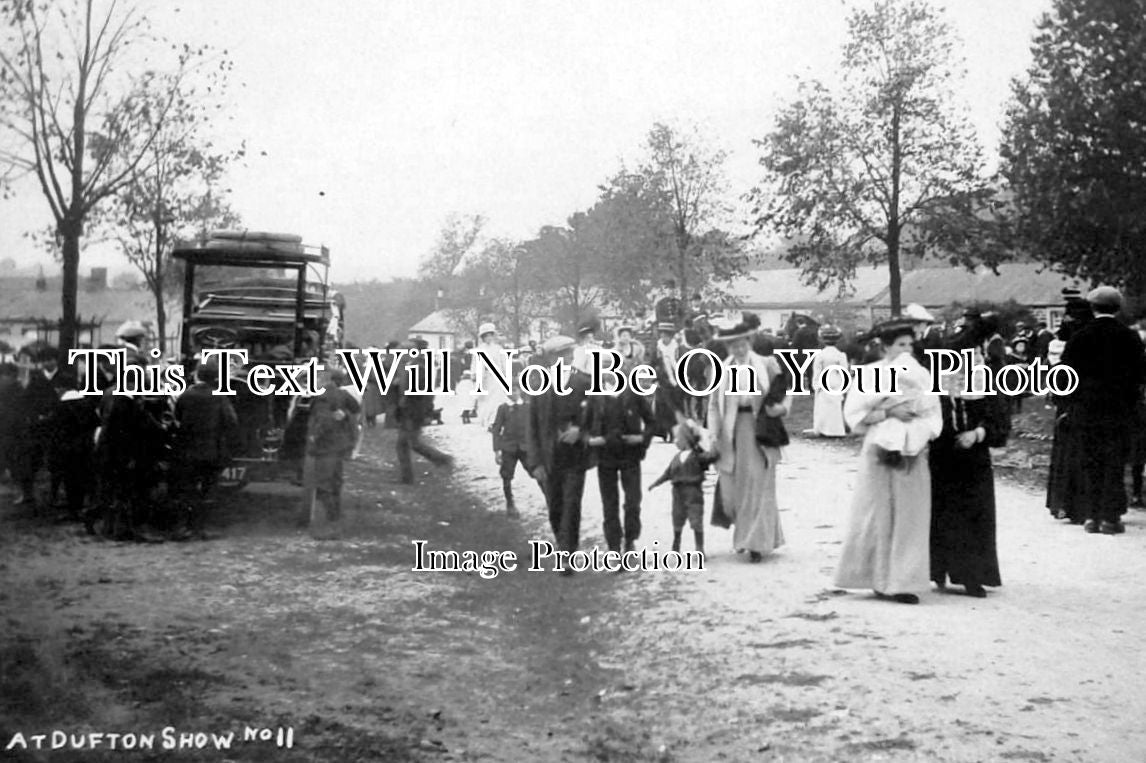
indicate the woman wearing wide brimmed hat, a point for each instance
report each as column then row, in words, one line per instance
column 747, row 470
column 828, row 408
column 487, row 404
column 885, row 548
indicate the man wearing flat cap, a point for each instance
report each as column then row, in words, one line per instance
column 1108, row 358
column 556, row 445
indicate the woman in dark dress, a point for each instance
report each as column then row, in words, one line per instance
column 1064, row 478
column 963, row 489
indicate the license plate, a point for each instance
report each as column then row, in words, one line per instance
column 234, row 474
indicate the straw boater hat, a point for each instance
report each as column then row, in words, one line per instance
column 830, row 333
column 666, row 326
column 918, row 313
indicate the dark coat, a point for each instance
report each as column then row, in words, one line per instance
column 327, row 436
column 208, row 426
column 37, row 407
column 548, row 415
column 613, row 417
column 508, row 428
column 1108, row 358
column 129, row 434
column 963, row 492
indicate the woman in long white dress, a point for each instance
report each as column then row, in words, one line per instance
column 886, row 548
column 828, row 407
column 495, row 394
column 746, row 470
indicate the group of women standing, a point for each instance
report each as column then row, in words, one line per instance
column 929, row 516
column 926, row 514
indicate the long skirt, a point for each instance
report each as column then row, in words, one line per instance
column 963, row 522
column 828, row 415
column 748, row 493
column 1065, row 477
column 667, row 402
column 886, row 546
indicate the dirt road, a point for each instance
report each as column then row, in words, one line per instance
column 363, row 659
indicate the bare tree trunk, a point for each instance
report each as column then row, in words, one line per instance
column 70, row 233
column 893, row 221
column 894, row 279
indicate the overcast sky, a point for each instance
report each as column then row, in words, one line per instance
column 379, row 118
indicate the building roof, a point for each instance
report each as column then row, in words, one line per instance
column 21, row 300
column 784, row 287
column 1029, row 284
column 437, row 322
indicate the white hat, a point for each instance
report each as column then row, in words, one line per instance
column 914, row 312
column 486, row 328
column 131, row 329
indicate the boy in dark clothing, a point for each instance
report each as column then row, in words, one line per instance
column 73, row 427
column 329, row 441
column 129, row 438
column 34, row 415
column 686, row 473
column 10, row 392
column 508, row 430
column 204, row 443
column 620, row 426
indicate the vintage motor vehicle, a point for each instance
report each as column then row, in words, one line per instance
column 267, row 293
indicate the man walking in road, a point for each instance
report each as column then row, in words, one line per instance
column 556, row 447
column 411, row 413
column 1108, row 358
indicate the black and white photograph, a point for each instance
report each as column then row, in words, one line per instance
column 657, row 381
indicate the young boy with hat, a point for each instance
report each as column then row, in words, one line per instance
column 508, row 430
column 686, row 473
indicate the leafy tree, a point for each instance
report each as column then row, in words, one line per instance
column 506, row 277
column 882, row 165
column 173, row 200
column 1074, row 145
column 662, row 222
column 569, row 269
column 456, row 240
column 444, row 269
column 76, row 115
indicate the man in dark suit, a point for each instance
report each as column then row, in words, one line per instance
column 1108, row 358
column 556, row 446
column 620, row 426
column 204, row 442
column 34, row 417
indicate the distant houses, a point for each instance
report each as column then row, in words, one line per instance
column 30, row 309
column 30, row 305
column 775, row 295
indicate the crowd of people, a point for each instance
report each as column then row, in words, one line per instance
column 923, row 509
